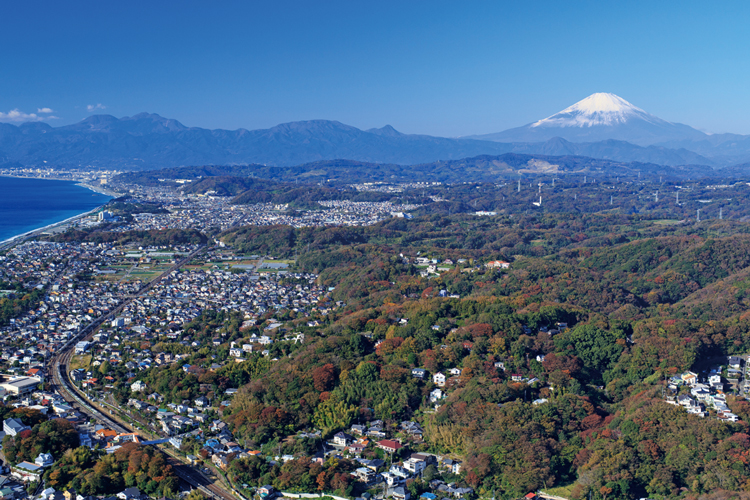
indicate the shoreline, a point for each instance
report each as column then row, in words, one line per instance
column 40, row 230
column 20, row 238
column 83, row 184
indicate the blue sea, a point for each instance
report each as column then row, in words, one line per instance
column 28, row 204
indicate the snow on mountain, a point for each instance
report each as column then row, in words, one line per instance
column 597, row 109
column 599, row 117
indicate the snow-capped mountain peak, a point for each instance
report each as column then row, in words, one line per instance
column 597, row 109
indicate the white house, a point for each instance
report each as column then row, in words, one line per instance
column 439, row 379
column 138, row 386
column 436, row 396
column 44, row 460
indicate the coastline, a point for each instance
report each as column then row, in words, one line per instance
column 20, row 238
column 40, row 230
column 90, row 187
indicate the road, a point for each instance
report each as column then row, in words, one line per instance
column 61, row 381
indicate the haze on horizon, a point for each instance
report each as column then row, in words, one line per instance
column 441, row 68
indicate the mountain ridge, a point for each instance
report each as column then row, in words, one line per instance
column 149, row 141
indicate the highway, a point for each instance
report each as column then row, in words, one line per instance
column 58, row 367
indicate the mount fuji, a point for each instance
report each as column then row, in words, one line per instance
column 601, row 116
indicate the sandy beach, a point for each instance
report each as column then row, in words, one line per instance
column 19, row 238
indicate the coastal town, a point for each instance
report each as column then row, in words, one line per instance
column 151, row 297
column 134, row 345
column 83, row 282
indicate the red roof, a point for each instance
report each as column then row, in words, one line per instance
column 389, row 443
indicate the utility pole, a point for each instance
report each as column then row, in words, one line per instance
column 610, row 199
column 656, row 197
column 678, row 197
column 698, row 215
column 519, row 185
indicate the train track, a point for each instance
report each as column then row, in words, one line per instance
column 60, row 379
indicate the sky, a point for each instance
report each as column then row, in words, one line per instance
column 430, row 67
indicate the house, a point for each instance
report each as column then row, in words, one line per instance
column 685, row 401
column 138, row 386
column 266, row 491
column 26, row 471
column 44, row 460
column 412, row 428
column 436, row 395
column 419, row 373
column 342, row 439
column 356, row 448
column 374, row 464
column 106, row 434
column 454, row 466
column 734, row 362
column 415, row 465
column 455, row 371
column 13, row 426
column 390, row 479
column 399, row 493
column 389, row 445
column 439, row 379
column 358, row 429
column 201, row 402
column 498, row 264
column 220, row 461
column 364, row 474
column 130, row 494
column 516, row 377
column 690, row 378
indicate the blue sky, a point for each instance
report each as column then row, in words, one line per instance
column 434, row 67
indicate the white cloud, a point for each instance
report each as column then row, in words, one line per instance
column 95, row 107
column 17, row 116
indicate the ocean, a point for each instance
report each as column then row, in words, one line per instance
column 28, row 204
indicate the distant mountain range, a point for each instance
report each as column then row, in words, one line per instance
column 602, row 126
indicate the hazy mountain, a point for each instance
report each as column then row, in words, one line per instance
column 150, row 141
column 483, row 168
column 599, row 117
column 611, row 149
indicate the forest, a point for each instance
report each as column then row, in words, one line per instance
column 642, row 301
column 94, row 472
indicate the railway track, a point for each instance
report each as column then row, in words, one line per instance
column 60, row 378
